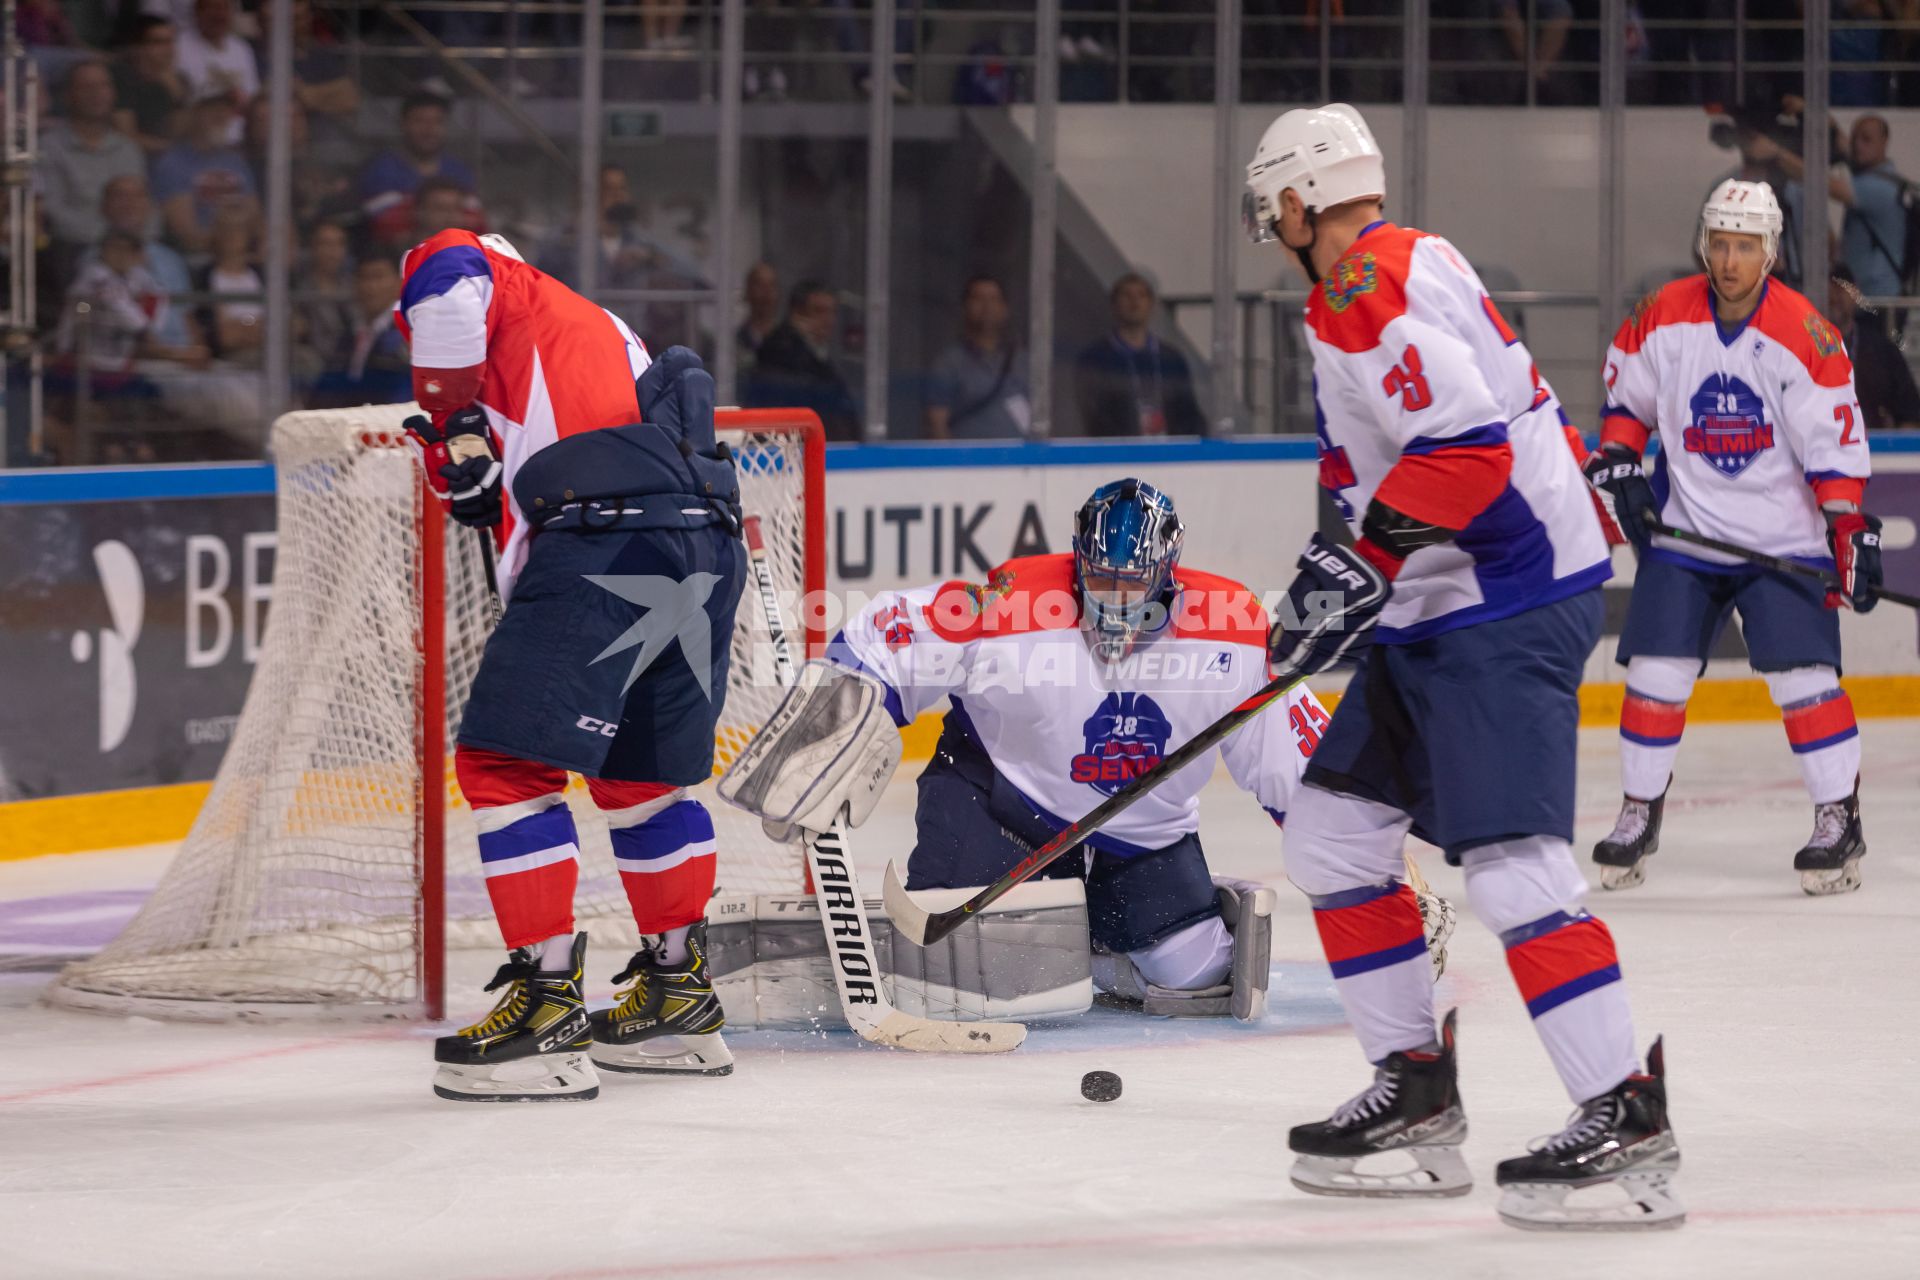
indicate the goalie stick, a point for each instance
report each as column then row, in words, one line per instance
column 843, row 913
column 1777, row 563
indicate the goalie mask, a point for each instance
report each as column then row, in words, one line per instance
column 1126, row 544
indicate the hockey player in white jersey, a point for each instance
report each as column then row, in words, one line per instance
column 1762, row 444
column 1476, row 575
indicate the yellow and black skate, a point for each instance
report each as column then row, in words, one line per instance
column 532, row 1047
column 669, row 1020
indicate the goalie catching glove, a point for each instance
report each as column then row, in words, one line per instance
column 461, row 464
column 829, row 746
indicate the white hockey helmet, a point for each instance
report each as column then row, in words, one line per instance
column 1745, row 207
column 1327, row 155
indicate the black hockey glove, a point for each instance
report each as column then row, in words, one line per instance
column 1855, row 539
column 1329, row 611
column 462, row 456
column 1620, row 483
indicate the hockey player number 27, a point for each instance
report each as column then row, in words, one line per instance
column 1843, row 414
column 1408, row 382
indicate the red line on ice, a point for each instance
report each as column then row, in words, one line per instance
column 188, row 1068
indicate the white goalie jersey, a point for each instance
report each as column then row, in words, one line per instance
column 1067, row 730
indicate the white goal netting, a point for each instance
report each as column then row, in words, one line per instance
column 300, row 886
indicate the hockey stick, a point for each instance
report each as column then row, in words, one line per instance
column 485, row 538
column 923, row 928
column 843, row 913
column 1777, row 563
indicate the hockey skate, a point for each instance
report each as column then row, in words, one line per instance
column 1619, row 1141
column 669, row 1020
column 1412, row 1109
column 532, row 1047
column 1623, row 855
column 1830, row 862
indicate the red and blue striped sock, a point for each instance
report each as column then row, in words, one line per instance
column 1377, row 949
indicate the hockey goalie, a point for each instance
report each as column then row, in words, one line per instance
column 1067, row 676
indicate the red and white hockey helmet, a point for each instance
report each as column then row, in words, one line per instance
column 1748, row 208
column 1327, row 155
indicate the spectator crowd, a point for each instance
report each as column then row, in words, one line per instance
column 151, row 173
column 152, row 170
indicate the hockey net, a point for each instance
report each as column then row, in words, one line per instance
column 334, row 860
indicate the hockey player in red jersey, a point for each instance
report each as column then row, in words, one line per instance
column 1476, row 577
column 612, row 495
column 1762, row 444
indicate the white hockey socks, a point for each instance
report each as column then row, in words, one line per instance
column 1529, row 892
column 1821, row 729
column 1652, row 718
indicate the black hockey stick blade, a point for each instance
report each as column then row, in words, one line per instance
column 1778, row 564
column 924, row 928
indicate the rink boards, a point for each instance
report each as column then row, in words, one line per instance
column 131, row 624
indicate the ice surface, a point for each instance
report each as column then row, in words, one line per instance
column 132, row 1147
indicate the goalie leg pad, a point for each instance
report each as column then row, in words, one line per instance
column 1220, row 964
column 1183, row 975
column 831, row 744
column 1027, row 958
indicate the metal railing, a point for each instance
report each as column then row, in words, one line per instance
column 1131, row 50
column 1273, row 371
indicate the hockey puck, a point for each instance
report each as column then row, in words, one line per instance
column 1100, row 1086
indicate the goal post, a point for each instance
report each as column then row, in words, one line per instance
column 334, row 863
